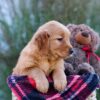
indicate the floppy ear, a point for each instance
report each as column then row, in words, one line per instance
column 42, row 41
column 71, row 27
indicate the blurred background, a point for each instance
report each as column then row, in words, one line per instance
column 19, row 19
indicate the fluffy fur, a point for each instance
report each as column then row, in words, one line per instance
column 82, row 35
column 78, row 41
column 44, row 54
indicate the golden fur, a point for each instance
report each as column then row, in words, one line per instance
column 44, row 54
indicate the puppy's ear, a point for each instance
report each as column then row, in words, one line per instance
column 42, row 41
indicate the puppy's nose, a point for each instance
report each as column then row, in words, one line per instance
column 70, row 51
column 85, row 34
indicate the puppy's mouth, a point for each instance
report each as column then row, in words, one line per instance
column 71, row 54
column 66, row 55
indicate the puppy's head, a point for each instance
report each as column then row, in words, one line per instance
column 53, row 39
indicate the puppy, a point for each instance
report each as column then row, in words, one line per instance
column 44, row 54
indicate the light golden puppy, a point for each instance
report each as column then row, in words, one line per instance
column 44, row 54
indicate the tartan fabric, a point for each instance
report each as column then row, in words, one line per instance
column 78, row 88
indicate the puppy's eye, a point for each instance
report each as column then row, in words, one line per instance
column 59, row 39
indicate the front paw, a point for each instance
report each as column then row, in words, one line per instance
column 42, row 85
column 60, row 83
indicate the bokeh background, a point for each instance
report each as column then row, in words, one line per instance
column 19, row 19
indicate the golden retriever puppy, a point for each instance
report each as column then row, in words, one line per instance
column 44, row 54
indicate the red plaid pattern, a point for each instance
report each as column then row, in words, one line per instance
column 78, row 88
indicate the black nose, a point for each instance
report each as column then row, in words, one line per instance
column 85, row 34
column 70, row 51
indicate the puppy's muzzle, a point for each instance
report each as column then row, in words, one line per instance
column 70, row 51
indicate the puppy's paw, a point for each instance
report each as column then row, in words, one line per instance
column 42, row 85
column 39, row 76
column 60, row 83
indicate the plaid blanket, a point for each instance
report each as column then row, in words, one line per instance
column 78, row 88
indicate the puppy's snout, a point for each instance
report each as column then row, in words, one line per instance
column 70, row 51
column 85, row 34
